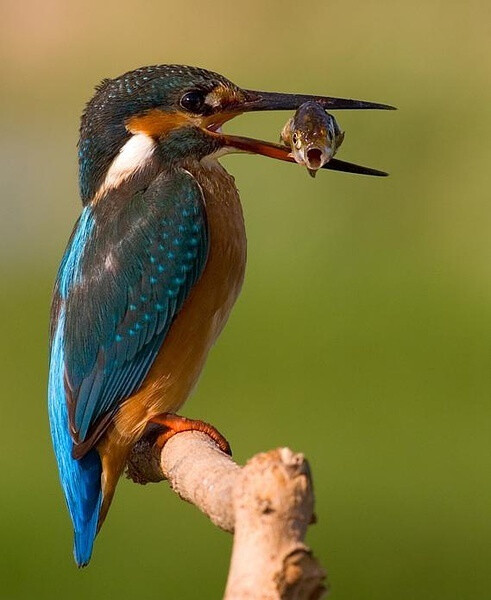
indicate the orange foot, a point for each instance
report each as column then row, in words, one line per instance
column 173, row 424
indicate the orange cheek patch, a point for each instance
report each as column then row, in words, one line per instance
column 157, row 123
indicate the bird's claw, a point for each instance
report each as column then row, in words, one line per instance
column 172, row 424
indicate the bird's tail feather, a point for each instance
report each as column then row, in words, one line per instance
column 85, row 512
column 81, row 482
column 80, row 479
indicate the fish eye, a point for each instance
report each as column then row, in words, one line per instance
column 193, row 101
column 296, row 140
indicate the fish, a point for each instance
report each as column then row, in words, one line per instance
column 313, row 135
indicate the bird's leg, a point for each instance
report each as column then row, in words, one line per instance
column 172, row 424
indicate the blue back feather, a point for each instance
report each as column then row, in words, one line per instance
column 69, row 268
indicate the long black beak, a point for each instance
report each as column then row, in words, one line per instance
column 278, row 101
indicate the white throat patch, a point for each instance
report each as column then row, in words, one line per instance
column 132, row 158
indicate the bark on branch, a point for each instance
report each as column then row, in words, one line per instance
column 267, row 504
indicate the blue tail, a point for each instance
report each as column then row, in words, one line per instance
column 80, row 479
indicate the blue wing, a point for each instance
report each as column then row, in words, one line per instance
column 131, row 264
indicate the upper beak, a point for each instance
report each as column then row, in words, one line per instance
column 278, row 101
column 259, row 101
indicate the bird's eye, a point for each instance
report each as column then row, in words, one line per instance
column 294, row 138
column 193, row 101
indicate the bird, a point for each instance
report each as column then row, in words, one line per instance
column 152, row 269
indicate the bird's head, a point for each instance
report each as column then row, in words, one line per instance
column 172, row 112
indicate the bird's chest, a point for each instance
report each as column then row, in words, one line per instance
column 222, row 278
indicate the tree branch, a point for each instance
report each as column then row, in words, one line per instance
column 268, row 504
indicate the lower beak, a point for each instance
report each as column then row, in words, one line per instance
column 260, row 101
column 253, row 146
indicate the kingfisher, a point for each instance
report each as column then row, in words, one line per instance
column 151, row 271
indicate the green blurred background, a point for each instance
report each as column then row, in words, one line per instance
column 363, row 333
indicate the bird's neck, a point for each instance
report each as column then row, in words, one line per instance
column 138, row 161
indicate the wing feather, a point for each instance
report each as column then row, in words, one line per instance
column 139, row 263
